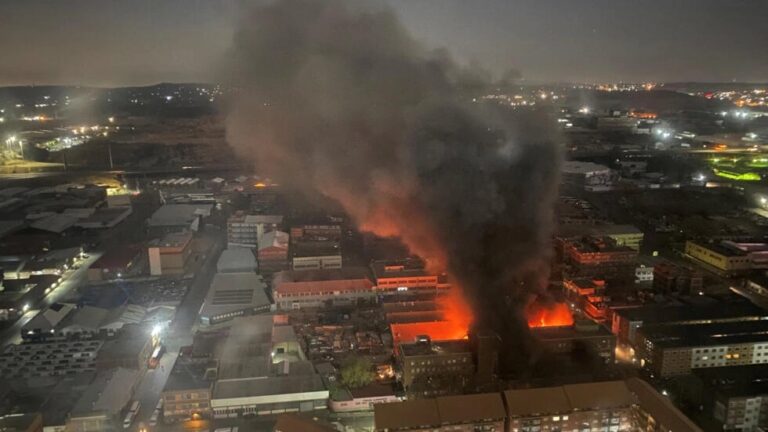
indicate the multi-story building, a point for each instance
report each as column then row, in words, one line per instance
column 315, row 254
column 318, row 288
column 611, row 406
column 187, row 393
column 430, row 369
column 583, row 335
column 403, row 276
column 626, row 322
column 673, row 278
column 600, row 406
column 461, row 413
column 329, row 231
column 273, row 252
column 244, row 230
column 169, row 255
column 728, row 257
column 600, row 257
column 736, row 397
column 676, row 350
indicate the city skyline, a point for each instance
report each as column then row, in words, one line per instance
column 554, row 41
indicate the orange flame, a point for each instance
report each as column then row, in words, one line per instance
column 554, row 315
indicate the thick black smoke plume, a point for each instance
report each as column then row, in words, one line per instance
column 343, row 101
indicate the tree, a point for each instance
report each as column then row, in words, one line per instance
column 356, row 371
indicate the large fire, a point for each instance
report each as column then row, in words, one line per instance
column 549, row 315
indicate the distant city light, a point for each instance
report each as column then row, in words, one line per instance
column 584, row 110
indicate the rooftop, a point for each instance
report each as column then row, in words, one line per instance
column 276, row 239
column 236, row 260
column 564, row 399
column 230, row 292
column 433, row 413
column 346, row 279
column 660, row 407
column 178, row 214
column 107, row 392
column 657, row 314
column 693, row 335
column 173, row 240
column 435, row 348
column 401, row 268
column 268, row 386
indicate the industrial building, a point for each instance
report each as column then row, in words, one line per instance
column 728, row 257
column 101, row 405
column 317, row 288
column 262, row 371
column 232, row 295
column 178, row 217
column 591, row 176
column 169, row 255
column 236, row 260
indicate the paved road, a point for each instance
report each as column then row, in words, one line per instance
column 71, row 279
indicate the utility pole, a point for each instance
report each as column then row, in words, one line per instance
column 109, row 150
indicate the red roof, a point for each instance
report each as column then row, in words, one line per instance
column 316, row 287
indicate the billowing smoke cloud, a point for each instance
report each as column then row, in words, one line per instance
column 342, row 101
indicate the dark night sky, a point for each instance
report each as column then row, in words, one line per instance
column 122, row 42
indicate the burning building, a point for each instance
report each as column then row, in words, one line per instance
column 340, row 100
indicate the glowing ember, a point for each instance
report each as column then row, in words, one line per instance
column 554, row 315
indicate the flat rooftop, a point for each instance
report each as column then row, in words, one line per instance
column 433, row 413
column 656, row 314
column 694, row 335
column 399, row 268
column 236, row 259
column 435, row 348
column 230, row 292
column 269, row 386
